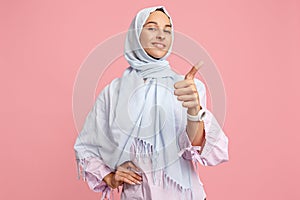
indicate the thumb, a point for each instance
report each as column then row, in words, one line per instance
column 191, row 74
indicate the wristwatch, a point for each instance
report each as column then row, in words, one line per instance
column 197, row 118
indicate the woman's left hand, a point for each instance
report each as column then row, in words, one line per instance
column 186, row 92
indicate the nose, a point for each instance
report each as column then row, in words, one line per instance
column 160, row 35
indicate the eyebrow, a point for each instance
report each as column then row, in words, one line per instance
column 167, row 25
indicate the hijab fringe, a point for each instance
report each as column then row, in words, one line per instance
column 169, row 183
column 145, row 150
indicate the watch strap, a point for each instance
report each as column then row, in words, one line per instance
column 196, row 118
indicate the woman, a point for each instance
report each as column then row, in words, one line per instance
column 147, row 127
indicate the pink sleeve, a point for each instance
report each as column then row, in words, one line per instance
column 94, row 170
column 215, row 149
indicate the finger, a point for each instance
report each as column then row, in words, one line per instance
column 127, row 177
column 122, row 168
column 134, row 175
column 130, row 172
column 190, row 104
column 191, row 74
column 127, row 171
column 188, row 97
column 185, row 91
column 132, row 166
column 122, row 177
column 125, row 180
column 183, row 83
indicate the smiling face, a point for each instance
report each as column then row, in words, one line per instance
column 156, row 35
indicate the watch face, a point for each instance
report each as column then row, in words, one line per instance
column 201, row 114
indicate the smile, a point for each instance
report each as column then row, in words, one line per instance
column 159, row 45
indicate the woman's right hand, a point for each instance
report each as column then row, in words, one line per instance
column 124, row 174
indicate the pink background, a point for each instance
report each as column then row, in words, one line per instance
column 253, row 43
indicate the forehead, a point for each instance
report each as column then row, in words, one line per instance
column 159, row 17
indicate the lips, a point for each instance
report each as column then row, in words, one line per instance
column 159, row 45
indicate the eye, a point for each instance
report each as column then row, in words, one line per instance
column 152, row 28
column 167, row 31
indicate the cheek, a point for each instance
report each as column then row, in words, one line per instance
column 169, row 41
column 145, row 39
column 144, row 43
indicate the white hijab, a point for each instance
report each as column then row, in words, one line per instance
column 136, row 55
column 147, row 114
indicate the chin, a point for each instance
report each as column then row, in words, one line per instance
column 157, row 55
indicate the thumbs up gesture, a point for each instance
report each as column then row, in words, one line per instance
column 186, row 91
